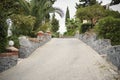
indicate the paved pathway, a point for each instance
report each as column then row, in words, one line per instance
column 62, row 59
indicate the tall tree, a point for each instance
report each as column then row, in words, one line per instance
column 7, row 7
column 91, row 13
column 67, row 15
column 55, row 24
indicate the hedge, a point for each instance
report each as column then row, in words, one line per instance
column 85, row 27
column 109, row 28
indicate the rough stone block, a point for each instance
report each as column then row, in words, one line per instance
column 103, row 46
column 8, row 62
column 113, row 55
column 27, row 49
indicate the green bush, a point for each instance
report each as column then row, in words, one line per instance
column 55, row 35
column 109, row 28
column 112, row 13
column 3, row 36
column 44, row 27
column 85, row 27
column 22, row 25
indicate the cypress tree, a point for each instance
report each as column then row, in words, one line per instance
column 67, row 15
column 55, row 24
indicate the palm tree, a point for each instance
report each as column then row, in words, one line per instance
column 39, row 9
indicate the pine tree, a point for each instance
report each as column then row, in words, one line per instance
column 55, row 24
column 67, row 15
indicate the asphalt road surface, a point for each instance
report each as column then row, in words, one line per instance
column 62, row 59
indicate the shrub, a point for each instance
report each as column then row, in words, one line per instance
column 3, row 36
column 55, row 35
column 44, row 27
column 112, row 13
column 85, row 27
column 109, row 28
column 23, row 25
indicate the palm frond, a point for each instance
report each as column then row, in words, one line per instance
column 59, row 11
column 25, row 6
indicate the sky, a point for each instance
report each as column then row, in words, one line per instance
column 62, row 4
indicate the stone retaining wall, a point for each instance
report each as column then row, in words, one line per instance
column 27, row 47
column 7, row 61
column 113, row 55
column 103, row 46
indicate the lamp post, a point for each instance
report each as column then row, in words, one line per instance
column 11, row 43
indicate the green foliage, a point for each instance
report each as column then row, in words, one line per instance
column 90, row 12
column 23, row 25
column 72, row 26
column 67, row 15
column 55, row 24
column 69, row 33
column 39, row 9
column 95, row 12
column 7, row 7
column 92, row 2
column 55, row 35
column 112, row 13
column 109, row 28
column 85, row 27
column 3, row 36
column 45, row 27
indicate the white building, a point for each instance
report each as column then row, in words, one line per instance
column 115, row 7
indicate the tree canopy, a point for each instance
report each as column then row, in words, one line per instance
column 90, row 12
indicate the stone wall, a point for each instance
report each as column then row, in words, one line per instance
column 7, row 62
column 113, row 55
column 103, row 46
column 28, row 46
